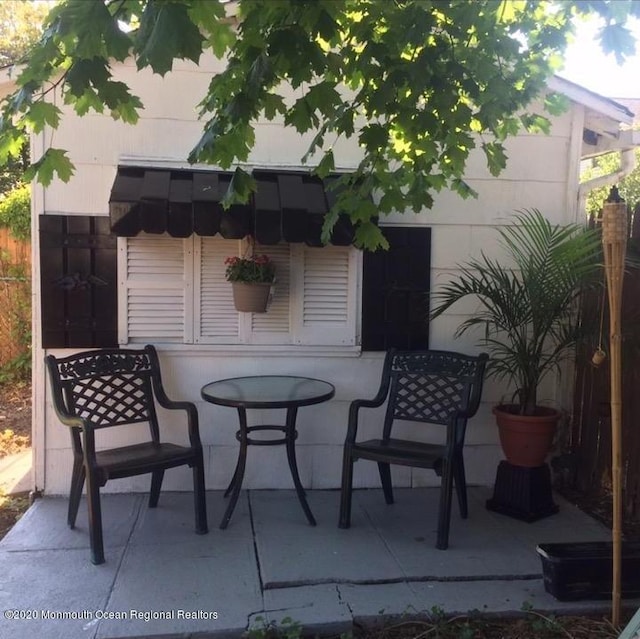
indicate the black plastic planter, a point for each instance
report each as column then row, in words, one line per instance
column 583, row 570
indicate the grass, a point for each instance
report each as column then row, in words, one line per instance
column 11, row 442
column 11, row 509
column 15, row 436
column 530, row 624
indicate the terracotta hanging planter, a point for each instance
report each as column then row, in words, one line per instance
column 251, row 297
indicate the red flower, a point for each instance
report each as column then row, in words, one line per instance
column 256, row 268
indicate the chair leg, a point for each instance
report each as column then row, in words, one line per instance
column 444, row 510
column 461, row 486
column 95, row 519
column 200, row 497
column 385, row 478
column 345, row 491
column 156, row 484
column 75, row 494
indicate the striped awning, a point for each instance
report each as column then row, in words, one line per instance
column 287, row 206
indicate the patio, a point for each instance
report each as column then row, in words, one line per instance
column 160, row 579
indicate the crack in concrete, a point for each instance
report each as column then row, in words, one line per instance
column 343, row 602
column 257, row 558
column 119, row 566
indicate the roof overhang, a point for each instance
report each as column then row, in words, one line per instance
column 607, row 123
column 287, row 206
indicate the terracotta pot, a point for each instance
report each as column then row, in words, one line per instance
column 526, row 439
column 251, row 297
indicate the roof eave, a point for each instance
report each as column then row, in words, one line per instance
column 591, row 100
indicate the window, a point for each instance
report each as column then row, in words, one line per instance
column 174, row 290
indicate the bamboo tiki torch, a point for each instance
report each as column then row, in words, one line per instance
column 614, row 242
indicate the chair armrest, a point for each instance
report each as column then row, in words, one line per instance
column 193, row 423
column 378, row 400
column 164, row 401
column 354, row 407
column 72, row 421
column 66, row 418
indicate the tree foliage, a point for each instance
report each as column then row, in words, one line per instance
column 629, row 187
column 418, row 83
column 15, row 212
column 20, row 28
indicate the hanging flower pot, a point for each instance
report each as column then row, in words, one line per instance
column 251, row 297
column 251, row 278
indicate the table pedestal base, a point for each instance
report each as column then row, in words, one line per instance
column 290, row 435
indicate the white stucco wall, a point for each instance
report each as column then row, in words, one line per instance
column 541, row 173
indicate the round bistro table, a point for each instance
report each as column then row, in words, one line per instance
column 267, row 391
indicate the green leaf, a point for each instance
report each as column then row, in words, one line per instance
column 326, row 165
column 89, row 22
column 221, row 38
column 22, row 98
column 369, row 236
column 114, row 94
column 128, row 111
column 617, row 39
column 166, row 32
column 209, row 17
column 301, row 116
column 496, row 157
column 84, row 103
column 53, row 162
column 556, row 103
column 534, row 123
column 374, row 137
column 241, row 187
column 273, row 104
column 11, row 142
column 463, row 189
column 42, row 114
column 392, row 200
column 86, row 73
column 323, row 96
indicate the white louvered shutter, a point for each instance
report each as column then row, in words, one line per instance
column 326, row 303
column 216, row 317
column 274, row 326
column 155, row 289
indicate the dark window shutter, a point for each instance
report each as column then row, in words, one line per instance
column 395, row 291
column 78, row 282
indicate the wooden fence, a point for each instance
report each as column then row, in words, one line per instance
column 15, row 296
column 590, row 437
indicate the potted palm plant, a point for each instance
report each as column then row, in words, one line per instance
column 528, row 313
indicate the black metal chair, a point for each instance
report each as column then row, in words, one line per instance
column 107, row 388
column 436, row 387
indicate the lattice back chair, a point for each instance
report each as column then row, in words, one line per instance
column 108, row 388
column 435, row 387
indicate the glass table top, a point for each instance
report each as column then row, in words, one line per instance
column 268, row 391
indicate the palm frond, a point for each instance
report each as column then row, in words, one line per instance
column 526, row 309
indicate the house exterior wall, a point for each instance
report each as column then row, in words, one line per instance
column 540, row 174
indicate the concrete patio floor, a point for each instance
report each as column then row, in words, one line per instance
column 161, row 579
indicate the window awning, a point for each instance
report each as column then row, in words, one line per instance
column 288, row 206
